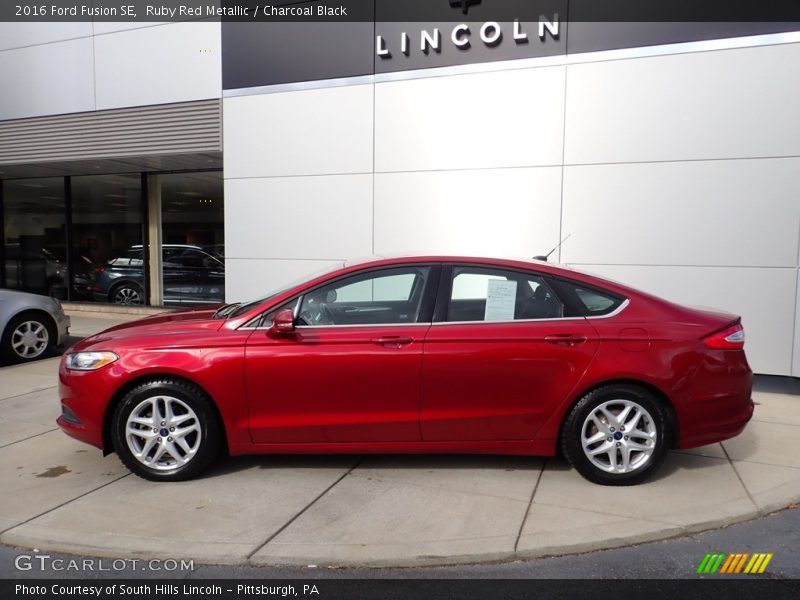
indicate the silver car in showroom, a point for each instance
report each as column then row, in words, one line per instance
column 31, row 325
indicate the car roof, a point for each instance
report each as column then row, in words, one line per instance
column 437, row 258
column 553, row 269
column 508, row 261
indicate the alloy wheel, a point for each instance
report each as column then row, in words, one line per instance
column 619, row 436
column 163, row 433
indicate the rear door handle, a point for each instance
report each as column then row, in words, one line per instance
column 392, row 341
column 565, row 339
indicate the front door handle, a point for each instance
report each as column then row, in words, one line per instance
column 565, row 339
column 393, row 341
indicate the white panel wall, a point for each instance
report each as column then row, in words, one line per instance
column 764, row 297
column 731, row 212
column 249, row 279
column 655, row 204
column 298, row 187
column 724, row 104
column 158, row 65
column 101, row 27
column 60, row 68
column 19, row 35
column 512, row 212
column 502, row 119
column 317, row 132
column 299, row 217
column 47, row 79
column 421, row 169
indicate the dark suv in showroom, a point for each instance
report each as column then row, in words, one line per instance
column 192, row 275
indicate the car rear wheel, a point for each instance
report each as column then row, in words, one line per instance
column 28, row 336
column 616, row 435
column 166, row 430
column 127, row 293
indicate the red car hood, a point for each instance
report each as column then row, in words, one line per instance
column 168, row 323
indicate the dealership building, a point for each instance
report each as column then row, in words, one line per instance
column 667, row 154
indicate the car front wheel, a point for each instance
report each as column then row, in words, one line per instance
column 166, row 430
column 616, row 435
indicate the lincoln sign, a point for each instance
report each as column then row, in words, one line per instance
column 462, row 36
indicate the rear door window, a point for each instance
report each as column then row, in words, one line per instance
column 487, row 294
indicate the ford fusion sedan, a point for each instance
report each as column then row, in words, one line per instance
column 31, row 326
column 416, row 355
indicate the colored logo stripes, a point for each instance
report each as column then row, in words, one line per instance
column 742, row 562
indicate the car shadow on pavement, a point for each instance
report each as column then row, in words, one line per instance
column 432, row 462
column 776, row 384
column 69, row 341
column 228, row 465
column 669, row 467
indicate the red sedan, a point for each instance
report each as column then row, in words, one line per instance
column 416, row 355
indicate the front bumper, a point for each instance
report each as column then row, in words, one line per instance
column 82, row 405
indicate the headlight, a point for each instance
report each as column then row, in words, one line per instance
column 89, row 361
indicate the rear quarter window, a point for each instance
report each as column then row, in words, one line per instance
column 587, row 300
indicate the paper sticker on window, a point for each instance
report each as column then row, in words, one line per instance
column 500, row 300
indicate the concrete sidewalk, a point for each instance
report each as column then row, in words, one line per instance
column 377, row 510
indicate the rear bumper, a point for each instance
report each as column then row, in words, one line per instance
column 722, row 430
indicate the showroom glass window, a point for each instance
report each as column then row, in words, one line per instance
column 193, row 237
column 480, row 294
column 388, row 296
column 34, row 247
column 107, row 237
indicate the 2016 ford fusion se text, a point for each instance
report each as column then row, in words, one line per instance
column 416, row 355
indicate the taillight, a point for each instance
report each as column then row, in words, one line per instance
column 731, row 338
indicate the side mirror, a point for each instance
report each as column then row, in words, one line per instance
column 282, row 323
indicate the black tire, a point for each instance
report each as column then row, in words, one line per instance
column 573, row 431
column 127, row 289
column 6, row 348
column 190, row 395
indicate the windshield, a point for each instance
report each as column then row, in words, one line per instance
column 240, row 309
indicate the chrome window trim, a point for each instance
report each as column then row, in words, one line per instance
column 364, row 325
column 506, row 322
